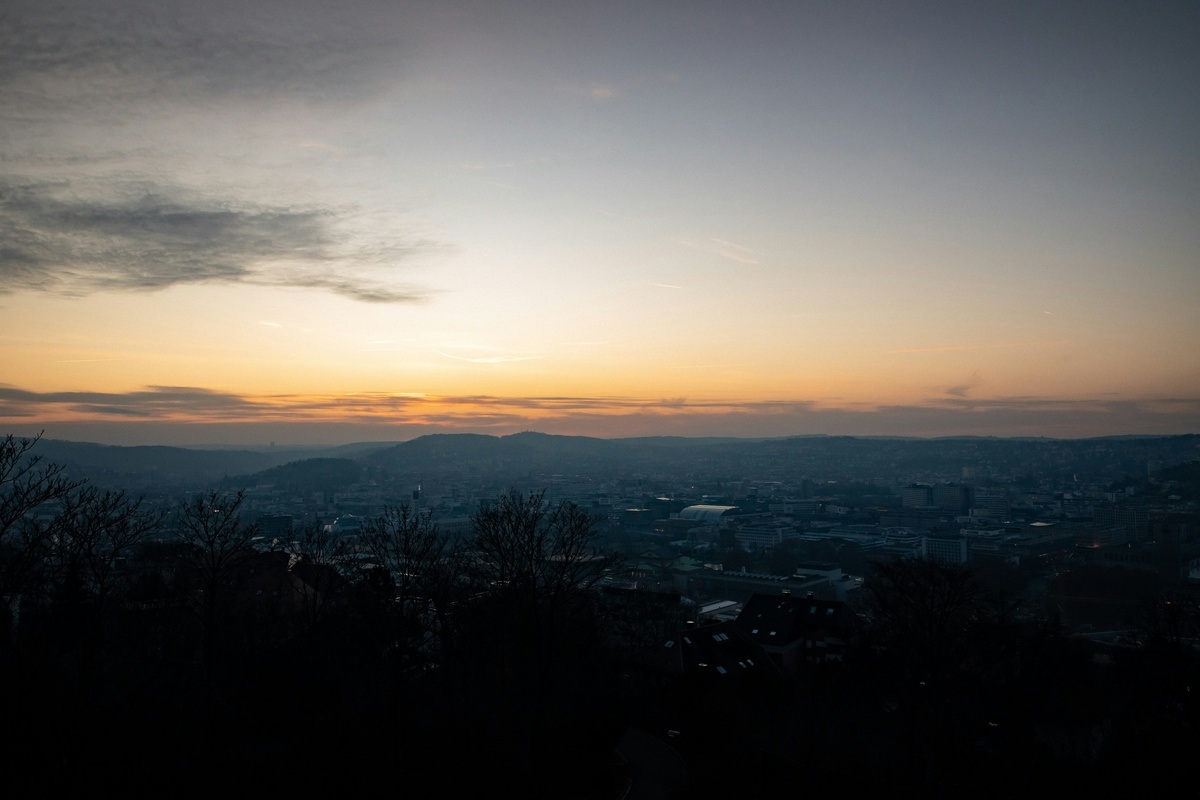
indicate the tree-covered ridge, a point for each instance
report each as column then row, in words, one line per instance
column 306, row 475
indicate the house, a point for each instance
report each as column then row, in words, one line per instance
column 714, row 652
column 796, row 631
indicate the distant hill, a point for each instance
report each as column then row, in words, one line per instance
column 533, row 456
column 308, row 475
column 527, row 454
column 142, row 467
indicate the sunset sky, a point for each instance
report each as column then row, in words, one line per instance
column 317, row 222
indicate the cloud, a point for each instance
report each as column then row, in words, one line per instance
column 992, row 345
column 83, row 360
column 77, row 237
column 734, row 252
column 488, row 359
column 962, row 389
column 599, row 416
column 481, row 167
column 111, row 57
column 198, row 405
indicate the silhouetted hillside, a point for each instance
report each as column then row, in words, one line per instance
column 846, row 456
column 311, row 474
column 533, row 455
column 133, row 467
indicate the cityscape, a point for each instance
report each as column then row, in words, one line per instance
column 599, row 401
column 712, row 617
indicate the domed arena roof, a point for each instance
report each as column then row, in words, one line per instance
column 346, row 524
column 706, row 513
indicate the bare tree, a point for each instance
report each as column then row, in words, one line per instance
column 539, row 563
column 420, row 573
column 27, row 486
column 409, row 545
column 540, row 654
column 530, row 548
column 923, row 610
column 319, row 568
column 28, row 490
column 93, row 531
column 217, row 543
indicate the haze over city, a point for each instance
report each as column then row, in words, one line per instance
column 309, row 222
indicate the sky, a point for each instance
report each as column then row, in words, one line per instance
column 312, row 222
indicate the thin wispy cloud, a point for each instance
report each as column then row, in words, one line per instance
column 993, row 345
column 963, row 389
column 705, row 366
column 83, row 360
column 665, row 285
column 488, row 359
column 481, row 167
column 726, row 249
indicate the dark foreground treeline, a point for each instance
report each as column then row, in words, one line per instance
column 182, row 654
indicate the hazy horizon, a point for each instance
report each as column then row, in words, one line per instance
column 332, row 439
column 315, row 222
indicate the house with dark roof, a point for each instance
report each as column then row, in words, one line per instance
column 714, row 651
column 798, row 630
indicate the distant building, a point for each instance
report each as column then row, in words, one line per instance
column 276, row 526
column 710, row 514
column 948, row 548
column 990, row 503
column 1135, row 519
column 762, row 535
column 953, row 498
column 740, row 584
column 916, row 495
column 347, row 526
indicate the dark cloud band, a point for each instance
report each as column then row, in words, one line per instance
column 1017, row 415
column 76, row 239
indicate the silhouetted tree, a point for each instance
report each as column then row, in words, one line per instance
column 535, row 566
column 69, row 651
column 419, row 568
column 217, row 543
column 27, row 486
column 321, row 566
column 94, row 532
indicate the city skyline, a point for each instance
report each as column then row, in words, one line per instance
column 313, row 223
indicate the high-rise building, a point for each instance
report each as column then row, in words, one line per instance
column 945, row 548
column 952, row 497
column 916, row 495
